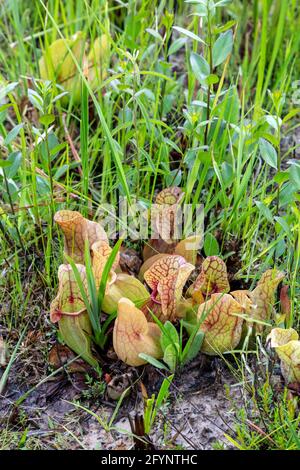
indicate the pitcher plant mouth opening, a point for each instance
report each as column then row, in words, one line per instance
column 287, row 346
column 67, row 217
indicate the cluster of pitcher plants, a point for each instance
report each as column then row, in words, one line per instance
column 144, row 309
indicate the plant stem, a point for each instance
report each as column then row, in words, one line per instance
column 13, row 212
column 210, row 72
column 278, row 170
column 169, row 36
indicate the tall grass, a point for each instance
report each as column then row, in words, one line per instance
column 145, row 126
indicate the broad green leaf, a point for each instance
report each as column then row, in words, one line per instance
column 284, row 225
column 35, row 99
column 62, row 170
column 294, row 172
column 274, row 122
column 227, row 173
column 199, row 66
column 222, row 47
column 163, row 391
column 47, row 119
column 154, row 33
column 5, row 90
column 13, row 134
column 271, row 138
column 225, row 27
column 212, row 79
column 176, row 45
column 169, row 335
column 211, row 245
column 291, row 114
column 154, row 362
column 173, row 177
column 281, row 177
column 193, row 346
column 15, row 160
column 3, row 108
column 170, row 356
column 189, row 34
column 287, row 194
column 268, row 153
column 280, row 248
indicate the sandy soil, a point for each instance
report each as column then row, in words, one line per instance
column 199, row 410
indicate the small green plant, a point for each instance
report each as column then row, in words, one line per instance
column 96, row 387
column 154, row 404
column 272, row 424
column 93, row 298
column 175, row 353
